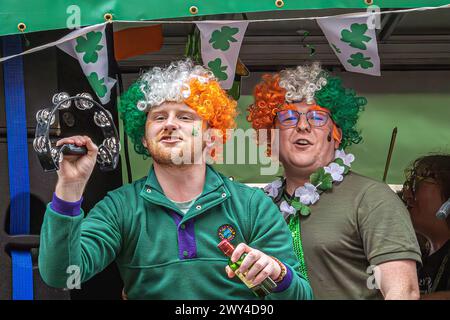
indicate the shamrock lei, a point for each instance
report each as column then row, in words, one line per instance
column 321, row 180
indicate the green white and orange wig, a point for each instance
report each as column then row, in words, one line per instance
column 315, row 86
column 181, row 81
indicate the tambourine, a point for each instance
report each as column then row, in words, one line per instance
column 50, row 156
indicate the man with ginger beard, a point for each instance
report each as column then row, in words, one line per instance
column 352, row 235
column 163, row 230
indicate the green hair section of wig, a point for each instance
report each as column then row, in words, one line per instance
column 133, row 119
column 345, row 108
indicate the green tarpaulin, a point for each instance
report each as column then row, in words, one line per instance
column 50, row 14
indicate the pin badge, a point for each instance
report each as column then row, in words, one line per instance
column 226, row 231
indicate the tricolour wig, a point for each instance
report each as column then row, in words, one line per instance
column 182, row 82
column 311, row 84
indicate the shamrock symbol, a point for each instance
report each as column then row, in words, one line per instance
column 97, row 84
column 221, row 39
column 89, row 46
column 218, row 70
column 299, row 207
column 356, row 37
column 322, row 179
column 336, row 48
column 359, row 59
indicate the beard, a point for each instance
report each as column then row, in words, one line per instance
column 159, row 155
column 175, row 156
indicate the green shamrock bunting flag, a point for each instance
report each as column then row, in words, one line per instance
column 220, row 45
column 88, row 46
column 354, row 43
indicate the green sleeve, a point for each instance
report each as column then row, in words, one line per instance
column 271, row 235
column 385, row 227
column 91, row 243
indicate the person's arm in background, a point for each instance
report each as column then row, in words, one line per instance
column 68, row 240
column 270, row 237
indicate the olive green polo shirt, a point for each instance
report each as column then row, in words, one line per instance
column 356, row 225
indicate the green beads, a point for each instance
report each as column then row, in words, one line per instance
column 294, row 226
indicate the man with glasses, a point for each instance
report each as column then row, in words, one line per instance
column 426, row 193
column 352, row 235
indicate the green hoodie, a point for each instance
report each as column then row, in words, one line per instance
column 164, row 254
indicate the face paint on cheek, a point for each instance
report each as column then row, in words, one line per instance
column 194, row 131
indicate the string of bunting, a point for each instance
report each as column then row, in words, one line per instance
column 351, row 36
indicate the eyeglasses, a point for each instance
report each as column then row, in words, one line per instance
column 290, row 118
column 408, row 191
column 411, row 185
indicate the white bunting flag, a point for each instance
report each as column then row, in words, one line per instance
column 90, row 49
column 354, row 43
column 220, row 45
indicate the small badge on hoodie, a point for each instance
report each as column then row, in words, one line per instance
column 226, row 231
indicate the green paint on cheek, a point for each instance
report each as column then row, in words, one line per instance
column 194, row 131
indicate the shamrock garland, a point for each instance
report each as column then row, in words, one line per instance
column 321, row 180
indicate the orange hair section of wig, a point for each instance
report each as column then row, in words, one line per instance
column 269, row 99
column 213, row 105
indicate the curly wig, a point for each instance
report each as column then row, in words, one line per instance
column 181, row 81
column 309, row 83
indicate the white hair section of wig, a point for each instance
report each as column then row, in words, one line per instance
column 302, row 82
column 170, row 84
